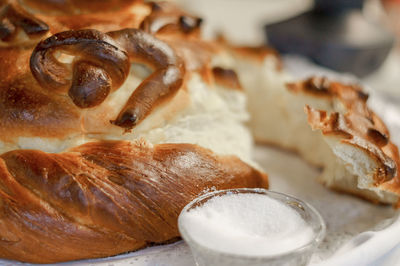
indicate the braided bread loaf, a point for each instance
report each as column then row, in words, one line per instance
column 113, row 116
column 86, row 100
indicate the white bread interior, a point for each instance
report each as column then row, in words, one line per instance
column 278, row 117
column 205, row 114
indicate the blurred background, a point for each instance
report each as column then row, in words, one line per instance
column 360, row 37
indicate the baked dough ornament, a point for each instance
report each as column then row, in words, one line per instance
column 115, row 115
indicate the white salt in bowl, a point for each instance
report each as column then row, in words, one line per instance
column 250, row 227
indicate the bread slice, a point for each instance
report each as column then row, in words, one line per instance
column 328, row 123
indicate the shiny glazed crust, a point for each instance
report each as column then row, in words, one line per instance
column 105, row 198
column 60, row 65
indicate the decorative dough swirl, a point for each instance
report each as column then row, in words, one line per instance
column 101, row 64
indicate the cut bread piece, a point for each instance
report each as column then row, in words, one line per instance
column 369, row 160
column 337, row 130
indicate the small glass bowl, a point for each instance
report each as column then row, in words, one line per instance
column 204, row 255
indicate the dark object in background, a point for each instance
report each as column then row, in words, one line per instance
column 334, row 34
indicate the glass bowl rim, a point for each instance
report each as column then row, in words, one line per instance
column 314, row 241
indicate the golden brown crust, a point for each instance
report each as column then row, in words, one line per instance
column 160, row 86
column 99, row 65
column 196, row 53
column 57, row 7
column 49, row 114
column 27, row 111
column 167, row 18
column 357, row 126
column 315, row 85
column 105, row 198
column 356, row 117
column 87, row 80
column 351, row 96
column 101, row 20
column 339, row 125
column 19, row 27
column 226, row 77
column 258, row 54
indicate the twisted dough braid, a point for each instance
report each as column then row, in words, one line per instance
column 105, row 198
